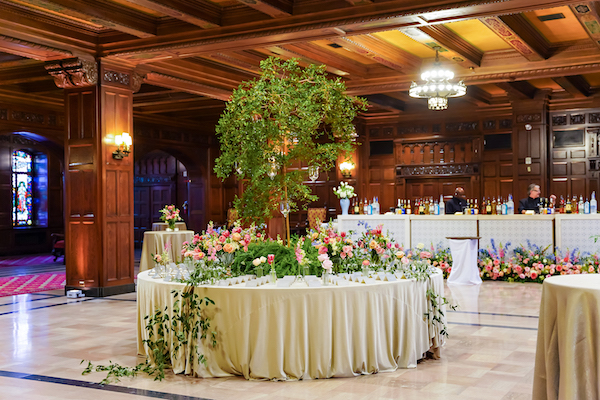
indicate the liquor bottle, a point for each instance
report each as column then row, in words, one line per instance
column 361, row 207
column 561, row 205
column 408, row 210
column 494, row 204
column 593, row 204
column 586, row 206
column 366, row 207
column 436, row 207
column 568, row 206
column 421, row 209
column 510, row 205
column 475, row 208
column 356, row 207
column 488, row 207
column 467, row 209
column 431, row 206
column 442, row 205
column 498, row 206
column 504, row 207
column 483, row 206
column 580, row 206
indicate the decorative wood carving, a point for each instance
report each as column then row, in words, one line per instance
column 506, row 123
column 374, row 132
column 388, row 132
column 489, row 124
column 412, row 129
column 577, row 119
column 3, row 113
column 511, row 38
column 437, row 170
column 73, row 73
column 589, row 19
column 121, row 78
column 594, row 118
column 27, row 117
column 461, row 126
column 137, row 81
column 559, row 120
column 529, row 117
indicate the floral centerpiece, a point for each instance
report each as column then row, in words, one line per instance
column 338, row 247
column 344, row 192
column 170, row 215
column 162, row 260
column 376, row 247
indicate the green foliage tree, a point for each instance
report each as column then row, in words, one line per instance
column 288, row 117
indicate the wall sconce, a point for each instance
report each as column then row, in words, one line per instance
column 346, row 169
column 124, row 142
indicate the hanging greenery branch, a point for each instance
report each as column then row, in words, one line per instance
column 271, row 125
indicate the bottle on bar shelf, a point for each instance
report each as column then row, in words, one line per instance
column 488, row 207
column 475, row 208
column 510, row 205
column 366, row 207
column 408, row 209
column 436, row 207
column 419, row 206
column 586, row 206
column 431, row 207
column 442, row 205
column 568, row 206
column 593, row 204
column 580, row 205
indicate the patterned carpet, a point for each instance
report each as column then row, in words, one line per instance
column 35, row 259
column 10, row 286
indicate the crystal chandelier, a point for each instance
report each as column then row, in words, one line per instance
column 436, row 86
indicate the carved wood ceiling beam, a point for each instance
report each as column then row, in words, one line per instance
column 290, row 52
column 33, row 50
column 201, row 70
column 273, row 8
column 380, row 51
column 469, row 56
column 183, row 105
column 322, row 56
column 205, row 15
column 386, row 102
column 188, row 86
column 507, row 34
column 479, row 95
column 447, row 53
column 576, row 85
column 105, row 14
column 358, row 20
column 527, row 33
column 588, row 16
column 234, row 62
column 166, row 96
column 359, row 2
column 21, row 74
column 521, row 90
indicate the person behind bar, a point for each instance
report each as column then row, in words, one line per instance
column 532, row 202
column 457, row 203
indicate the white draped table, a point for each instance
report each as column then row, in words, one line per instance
column 300, row 332
column 464, row 260
column 567, row 358
column 155, row 241
column 162, row 226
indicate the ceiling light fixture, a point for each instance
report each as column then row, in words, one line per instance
column 436, row 86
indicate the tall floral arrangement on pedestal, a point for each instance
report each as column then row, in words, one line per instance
column 170, row 215
column 287, row 117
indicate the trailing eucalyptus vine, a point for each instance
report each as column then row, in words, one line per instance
column 435, row 313
column 290, row 116
column 188, row 325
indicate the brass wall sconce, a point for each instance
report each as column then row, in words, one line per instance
column 346, row 169
column 124, row 142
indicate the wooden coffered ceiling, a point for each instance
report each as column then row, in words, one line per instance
column 192, row 53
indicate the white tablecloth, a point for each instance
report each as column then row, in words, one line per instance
column 464, row 262
column 301, row 332
column 155, row 241
column 567, row 358
column 162, row 226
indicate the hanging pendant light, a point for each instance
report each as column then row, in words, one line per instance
column 436, row 86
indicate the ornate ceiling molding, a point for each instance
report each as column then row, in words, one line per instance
column 74, row 72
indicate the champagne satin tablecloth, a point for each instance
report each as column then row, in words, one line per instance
column 301, row 332
column 567, row 358
column 155, row 241
column 162, row 226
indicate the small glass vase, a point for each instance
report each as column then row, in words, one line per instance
column 365, row 271
column 258, row 271
column 326, row 278
column 273, row 276
column 171, row 224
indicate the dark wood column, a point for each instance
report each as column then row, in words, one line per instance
column 98, row 188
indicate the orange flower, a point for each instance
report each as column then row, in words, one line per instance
column 229, row 248
column 236, row 237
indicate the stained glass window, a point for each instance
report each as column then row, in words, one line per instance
column 21, row 183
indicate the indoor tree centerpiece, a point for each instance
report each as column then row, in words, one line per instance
column 288, row 117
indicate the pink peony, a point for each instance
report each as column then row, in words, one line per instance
column 534, row 275
column 328, row 264
column 522, row 276
column 322, row 250
column 366, row 263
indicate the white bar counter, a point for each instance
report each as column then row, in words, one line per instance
column 563, row 231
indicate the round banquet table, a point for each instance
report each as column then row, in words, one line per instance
column 567, row 357
column 162, row 226
column 275, row 333
column 155, row 241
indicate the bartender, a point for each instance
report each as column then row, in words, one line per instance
column 532, row 202
column 457, row 203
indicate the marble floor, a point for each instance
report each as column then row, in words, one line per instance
column 44, row 336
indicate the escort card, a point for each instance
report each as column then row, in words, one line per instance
column 342, row 282
column 252, row 283
column 369, row 281
column 223, row 283
column 284, row 283
column 314, row 283
column 289, row 278
column 390, row 278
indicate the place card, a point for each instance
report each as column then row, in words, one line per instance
column 284, row 283
column 252, row 284
column 308, row 277
column 380, row 275
column 167, row 278
column 289, row 278
column 314, row 283
column 342, row 282
column 223, row 283
column 369, row 281
column 390, row 278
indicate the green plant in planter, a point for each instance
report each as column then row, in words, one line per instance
column 288, row 117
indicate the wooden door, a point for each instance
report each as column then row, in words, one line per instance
column 141, row 213
column 160, row 196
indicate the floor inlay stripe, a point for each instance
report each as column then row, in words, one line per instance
column 492, row 326
column 491, row 313
column 48, row 306
column 92, row 385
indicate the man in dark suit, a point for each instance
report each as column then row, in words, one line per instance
column 457, row 203
column 532, row 202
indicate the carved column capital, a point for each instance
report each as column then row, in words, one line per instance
column 73, row 72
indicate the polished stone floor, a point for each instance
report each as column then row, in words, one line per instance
column 44, row 336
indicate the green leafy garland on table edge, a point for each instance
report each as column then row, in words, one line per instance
column 287, row 117
column 188, row 323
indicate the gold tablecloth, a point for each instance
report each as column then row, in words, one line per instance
column 567, row 357
column 155, row 241
column 162, row 226
column 301, row 332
